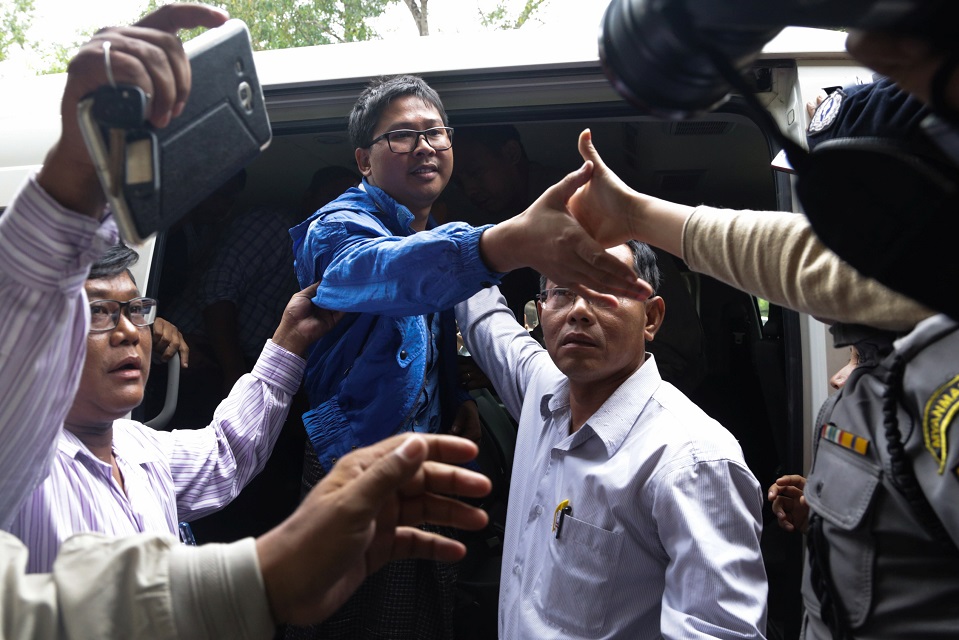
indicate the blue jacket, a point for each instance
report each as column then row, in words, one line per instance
column 364, row 377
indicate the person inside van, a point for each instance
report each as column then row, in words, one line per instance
column 238, row 300
column 390, row 365
column 326, row 184
column 633, row 513
column 497, row 177
column 150, row 585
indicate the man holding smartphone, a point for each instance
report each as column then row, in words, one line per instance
column 151, row 586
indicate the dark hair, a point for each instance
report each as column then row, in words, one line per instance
column 378, row 95
column 115, row 260
column 644, row 264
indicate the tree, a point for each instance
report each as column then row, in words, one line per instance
column 281, row 24
column 56, row 57
column 499, row 18
column 15, row 19
column 274, row 24
column 420, row 15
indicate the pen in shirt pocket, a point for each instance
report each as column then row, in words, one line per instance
column 562, row 510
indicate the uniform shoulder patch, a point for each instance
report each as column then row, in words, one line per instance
column 938, row 414
column 826, row 112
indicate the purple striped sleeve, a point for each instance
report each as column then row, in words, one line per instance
column 211, row 465
column 45, row 255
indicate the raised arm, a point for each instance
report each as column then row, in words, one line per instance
column 551, row 241
column 148, row 55
column 49, row 237
column 773, row 255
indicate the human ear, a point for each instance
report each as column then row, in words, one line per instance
column 513, row 151
column 363, row 163
column 655, row 312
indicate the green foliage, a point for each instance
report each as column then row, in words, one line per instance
column 274, row 24
column 15, row 19
column 56, row 56
column 763, row 309
column 501, row 18
column 281, row 24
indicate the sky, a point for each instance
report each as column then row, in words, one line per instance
column 62, row 21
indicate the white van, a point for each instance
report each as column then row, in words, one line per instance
column 765, row 374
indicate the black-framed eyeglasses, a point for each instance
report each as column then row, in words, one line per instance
column 105, row 314
column 559, row 298
column 406, row 140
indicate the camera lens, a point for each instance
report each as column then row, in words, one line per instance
column 659, row 67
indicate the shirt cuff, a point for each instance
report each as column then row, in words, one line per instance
column 473, row 260
column 280, row 367
column 217, row 591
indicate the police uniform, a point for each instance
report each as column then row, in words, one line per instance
column 882, row 558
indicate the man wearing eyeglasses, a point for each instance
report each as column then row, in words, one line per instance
column 119, row 477
column 633, row 514
column 390, row 365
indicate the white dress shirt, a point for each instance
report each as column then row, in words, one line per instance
column 663, row 536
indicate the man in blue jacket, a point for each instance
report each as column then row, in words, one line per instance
column 390, row 364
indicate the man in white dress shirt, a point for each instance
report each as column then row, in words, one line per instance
column 632, row 513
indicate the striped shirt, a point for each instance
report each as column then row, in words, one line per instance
column 45, row 256
column 169, row 476
column 662, row 539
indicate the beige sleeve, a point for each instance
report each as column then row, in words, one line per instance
column 138, row 587
column 776, row 256
column 218, row 592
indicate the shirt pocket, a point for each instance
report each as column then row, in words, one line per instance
column 577, row 581
column 841, row 489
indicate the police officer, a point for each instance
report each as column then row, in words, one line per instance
column 881, row 562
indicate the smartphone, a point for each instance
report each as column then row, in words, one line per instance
column 153, row 177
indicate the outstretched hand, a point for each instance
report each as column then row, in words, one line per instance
column 549, row 239
column 602, row 204
column 363, row 515
column 613, row 213
column 303, row 323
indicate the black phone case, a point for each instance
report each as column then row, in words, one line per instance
column 222, row 128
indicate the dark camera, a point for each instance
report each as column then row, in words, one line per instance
column 678, row 58
column 659, row 53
